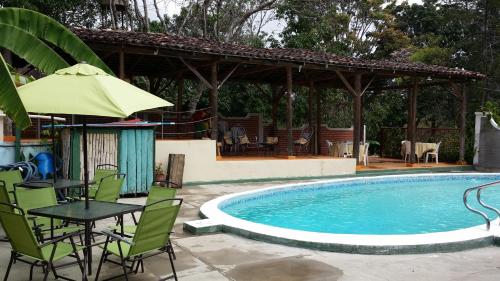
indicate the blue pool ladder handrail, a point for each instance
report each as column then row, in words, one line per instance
column 478, row 189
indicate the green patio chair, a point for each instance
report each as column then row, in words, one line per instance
column 4, row 199
column 101, row 171
column 156, row 194
column 24, row 244
column 11, row 178
column 164, row 196
column 150, row 238
column 28, row 199
column 4, row 195
column 109, row 188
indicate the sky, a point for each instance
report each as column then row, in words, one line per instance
column 172, row 7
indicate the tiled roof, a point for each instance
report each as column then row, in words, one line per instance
column 301, row 56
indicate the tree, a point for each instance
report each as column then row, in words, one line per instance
column 342, row 27
column 25, row 33
column 82, row 13
column 223, row 20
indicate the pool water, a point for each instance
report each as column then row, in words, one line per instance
column 390, row 206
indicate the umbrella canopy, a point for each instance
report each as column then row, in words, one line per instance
column 83, row 89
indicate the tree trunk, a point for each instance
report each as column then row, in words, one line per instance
column 196, row 98
column 160, row 17
column 138, row 14
column 206, row 3
column 145, row 18
column 112, row 10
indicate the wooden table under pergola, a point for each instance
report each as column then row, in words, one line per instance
column 160, row 55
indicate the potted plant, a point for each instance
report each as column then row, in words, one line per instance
column 159, row 173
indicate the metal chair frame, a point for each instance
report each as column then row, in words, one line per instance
column 47, row 266
column 136, row 261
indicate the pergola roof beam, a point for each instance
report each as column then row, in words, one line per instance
column 197, row 73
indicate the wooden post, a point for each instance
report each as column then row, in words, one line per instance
column 2, row 130
column 413, row 122
column 357, row 116
column 178, row 107
column 17, row 145
column 275, row 102
column 318, row 123
column 462, row 96
column 289, row 110
column 213, row 99
column 310, row 105
column 310, row 122
column 122, row 65
column 463, row 120
column 408, row 123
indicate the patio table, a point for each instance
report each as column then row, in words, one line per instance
column 346, row 148
column 60, row 185
column 420, row 148
column 76, row 212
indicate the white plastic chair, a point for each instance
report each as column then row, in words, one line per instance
column 365, row 154
column 330, row 147
column 346, row 149
column 434, row 154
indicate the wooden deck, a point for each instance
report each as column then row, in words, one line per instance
column 375, row 163
column 270, row 157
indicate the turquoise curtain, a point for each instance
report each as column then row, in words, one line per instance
column 136, row 159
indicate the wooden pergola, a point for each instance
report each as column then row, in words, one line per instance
column 159, row 55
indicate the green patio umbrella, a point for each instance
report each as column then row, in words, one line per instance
column 83, row 89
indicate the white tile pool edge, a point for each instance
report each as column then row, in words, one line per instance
column 472, row 237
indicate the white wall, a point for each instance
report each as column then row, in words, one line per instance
column 201, row 164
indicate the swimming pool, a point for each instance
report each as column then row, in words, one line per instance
column 390, row 211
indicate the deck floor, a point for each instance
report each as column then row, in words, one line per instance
column 378, row 163
column 375, row 163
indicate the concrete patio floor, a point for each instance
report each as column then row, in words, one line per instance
column 224, row 256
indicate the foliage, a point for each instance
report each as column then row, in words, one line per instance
column 159, row 169
column 341, row 27
column 81, row 13
column 42, row 27
column 453, row 33
column 10, row 102
column 448, row 151
column 225, row 20
column 492, row 109
column 25, row 33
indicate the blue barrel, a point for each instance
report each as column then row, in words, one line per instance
column 45, row 164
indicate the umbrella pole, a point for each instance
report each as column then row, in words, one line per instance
column 85, row 163
column 53, row 133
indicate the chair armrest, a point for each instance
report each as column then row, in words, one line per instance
column 115, row 236
column 167, row 183
column 35, row 225
column 60, row 238
column 31, row 217
column 173, row 183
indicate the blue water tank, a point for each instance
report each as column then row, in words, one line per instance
column 45, row 163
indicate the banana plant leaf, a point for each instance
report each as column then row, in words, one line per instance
column 10, row 102
column 52, row 31
column 30, row 48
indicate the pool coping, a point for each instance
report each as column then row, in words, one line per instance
column 456, row 240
